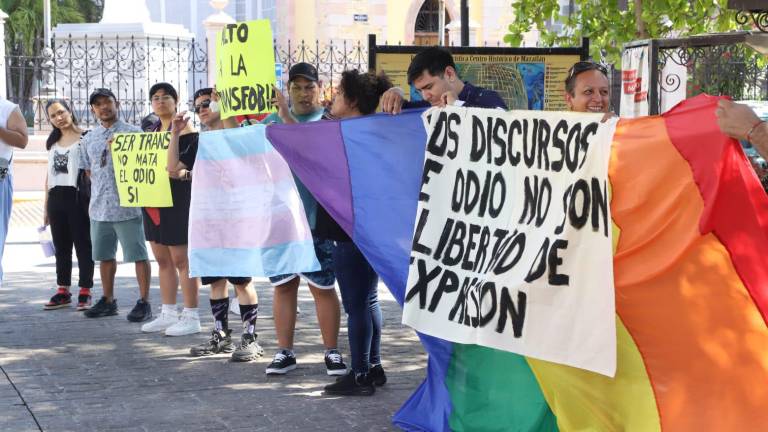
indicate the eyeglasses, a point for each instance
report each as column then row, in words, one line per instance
column 584, row 66
column 203, row 104
column 163, row 98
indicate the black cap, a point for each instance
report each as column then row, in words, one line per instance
column 101, row 92
column 304, row 70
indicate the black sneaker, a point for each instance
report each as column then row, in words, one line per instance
column 141, row 312
column 220, row 342
column 248, row 350
column 377, row 375
column 351, row 384
column 61, row 299
column 334, row 365
column 102, row 309
column 283, row 362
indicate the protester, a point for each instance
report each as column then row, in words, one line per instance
column 357, row 94
column 65, row 206
column 111, row 223
column 149, row 121
column 207, row 108
column 587, row 88
column 432, row 73
column 165, row 228
column 740, row 122
column 305, row 107
column 13, row 133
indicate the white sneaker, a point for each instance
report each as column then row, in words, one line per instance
column 161, row 323
column 188, row 324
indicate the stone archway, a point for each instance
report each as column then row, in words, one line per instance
column 413, row 11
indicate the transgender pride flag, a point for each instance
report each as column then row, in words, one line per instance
column 246, row 217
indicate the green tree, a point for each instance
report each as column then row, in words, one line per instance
column 24, row 41
column 609, row 24
column 24, row 26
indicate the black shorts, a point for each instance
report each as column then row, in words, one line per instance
column 233, row 280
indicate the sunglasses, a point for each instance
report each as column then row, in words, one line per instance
column 203, row 104
column 104, row 158
column 584, row 66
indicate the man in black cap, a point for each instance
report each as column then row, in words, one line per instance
column 304, row 91
column 111, row 223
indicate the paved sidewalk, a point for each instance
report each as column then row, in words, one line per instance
column 64, row 372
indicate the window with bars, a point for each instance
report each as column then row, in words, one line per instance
column 427, row 25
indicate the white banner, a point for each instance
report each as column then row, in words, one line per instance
column 512, row 247
column 635, row 74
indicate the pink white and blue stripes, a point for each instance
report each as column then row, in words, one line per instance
column 246, row 217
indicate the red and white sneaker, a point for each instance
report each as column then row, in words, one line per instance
column 61, row 299
column 84, row 299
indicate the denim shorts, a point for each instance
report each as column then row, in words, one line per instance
column 323, row 278
column 130, row 234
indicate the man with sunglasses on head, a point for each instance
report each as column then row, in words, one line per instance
column 111, row 223
column 432, row 72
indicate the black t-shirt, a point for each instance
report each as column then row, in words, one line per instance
column 188, row 149
column 326, row 227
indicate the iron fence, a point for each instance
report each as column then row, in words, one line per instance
column 72, row 67
column 716, row 64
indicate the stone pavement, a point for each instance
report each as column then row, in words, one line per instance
column 64, row 372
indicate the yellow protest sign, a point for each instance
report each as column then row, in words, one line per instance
column 245, row 68
column 140, row 161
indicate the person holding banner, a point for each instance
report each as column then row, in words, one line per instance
column 166, row 228
column 433, row 73
column 740, row 121
column 587, row 88
column 65, row 207
column 13, row 134
column 206, row 107
column 357, row 95
column 304, row 93
column 111, row 223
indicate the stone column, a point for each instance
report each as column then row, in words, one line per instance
column 3, row 89
column 212, row 25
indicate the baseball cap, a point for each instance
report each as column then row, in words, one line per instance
column 101, row 92
column 304, row 70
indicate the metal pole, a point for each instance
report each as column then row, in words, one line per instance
column 47, row 22
column 464, row 23
column 441, row 23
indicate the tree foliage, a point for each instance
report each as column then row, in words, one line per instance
column 609, row 24
column 24, row 26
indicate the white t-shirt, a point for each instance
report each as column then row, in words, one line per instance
column 63, row 165
column 6, row 108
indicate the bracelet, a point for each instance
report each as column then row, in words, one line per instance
column 752, row 129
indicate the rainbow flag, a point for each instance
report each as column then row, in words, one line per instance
column 690, row 233
column 245, row 217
